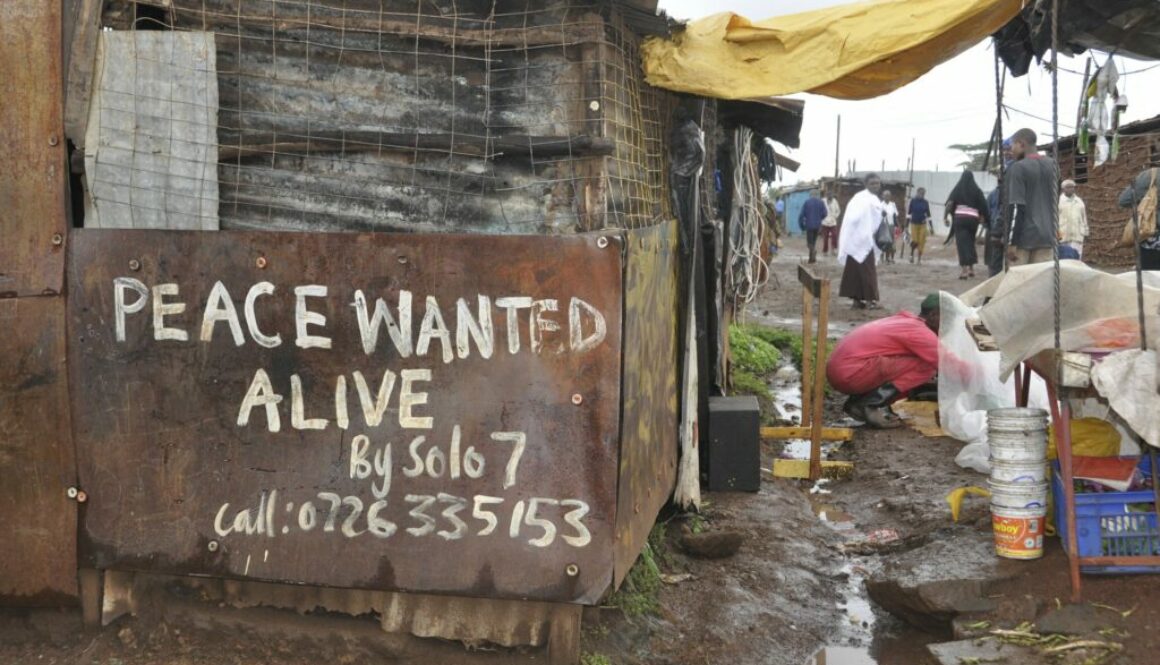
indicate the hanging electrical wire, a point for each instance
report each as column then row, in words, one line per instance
column 748, row 230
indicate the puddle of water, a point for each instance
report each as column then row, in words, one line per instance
column 834, row 329
column 843, row 656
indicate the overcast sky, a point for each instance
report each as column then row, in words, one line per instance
column 953, row 103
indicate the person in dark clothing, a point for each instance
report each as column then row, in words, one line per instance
column 996, row 248
column 810, row 219
column 968, row 206
column 1032, row 204
column 918, row 213
column 1130, row 198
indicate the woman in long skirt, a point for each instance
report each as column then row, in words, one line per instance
column 969, row 207
column 856, row 248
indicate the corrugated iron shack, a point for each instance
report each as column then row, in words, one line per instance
column 371, row 305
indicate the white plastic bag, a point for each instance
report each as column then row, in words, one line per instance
column 965, row 397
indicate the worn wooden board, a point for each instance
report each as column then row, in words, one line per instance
column 37, row 466
column 34, row 179
column 648, row 449
column 184, row 475
column 152, row 147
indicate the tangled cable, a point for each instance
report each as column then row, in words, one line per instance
column 748, row 230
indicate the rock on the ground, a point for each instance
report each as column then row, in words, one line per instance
column 984, row 651
column 1076, row 620
column 712, row 544
column 931, row 585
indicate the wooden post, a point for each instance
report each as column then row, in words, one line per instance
column 92, row 584
column 564, row 636
column 807, row 361
column 820, row 382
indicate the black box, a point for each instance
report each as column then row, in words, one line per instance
column 734, row 444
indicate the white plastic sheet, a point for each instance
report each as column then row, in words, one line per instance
column 965, row 398
column 1128, row 381
column 1098, row 311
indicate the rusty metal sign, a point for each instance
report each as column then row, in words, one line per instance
column 432, row 413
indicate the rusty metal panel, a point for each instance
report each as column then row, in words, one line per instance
column 452, row 472
column 38, row 520
column 648, row 445
column 33, row 179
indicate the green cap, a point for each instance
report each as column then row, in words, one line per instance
column 930, row 303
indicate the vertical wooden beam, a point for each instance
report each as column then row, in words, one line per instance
column 92, row 583
column 807, row 360
column 819, row 387
column 34, row 178
column 564, row 636
column 82, row 26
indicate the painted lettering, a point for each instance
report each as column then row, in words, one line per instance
column 121, row 308
column 304, row 317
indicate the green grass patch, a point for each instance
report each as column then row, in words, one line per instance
column 594, row 659
column 786, row 341
column 751, row 353
column 639, row 594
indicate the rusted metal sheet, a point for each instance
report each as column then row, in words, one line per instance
column 33, row 179
column 38, row 520
column 648, row 447
column 406, row 461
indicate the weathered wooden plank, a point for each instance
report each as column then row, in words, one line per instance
column 489, row 147
column 648, row 439
column 424, row 191
column 38, row 520
column 152, row 149
column 83, row 25
column 34, row 177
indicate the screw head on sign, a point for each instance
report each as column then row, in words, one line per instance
column 212, row 546
column 81, row 496
column 53, row 140
column 602, row 242
column 577, row 398
column 573, row 570
column 57, row 239
column 594, row 106
column 261, row 262
column 71, row 492
column 402, row 259
column 134, row 265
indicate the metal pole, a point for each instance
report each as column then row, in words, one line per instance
column 837, row 145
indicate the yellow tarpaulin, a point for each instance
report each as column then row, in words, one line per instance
column 854, row 51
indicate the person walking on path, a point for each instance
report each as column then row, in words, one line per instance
column 830, row 223
column 968, row 206
column 890, row 214
column 1032, row 203
column 918, row 214
column 1073, row 223
column 810, row 220
column 856, row 249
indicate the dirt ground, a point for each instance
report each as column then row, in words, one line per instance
column 799, row 583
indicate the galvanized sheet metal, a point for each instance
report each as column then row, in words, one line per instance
column 37, row 519
column 33, row 179
column 175, row 483
column 648, row 447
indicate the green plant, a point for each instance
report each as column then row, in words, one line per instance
column 589, row 658
column 696, row 523
column 751, row 353
column 639, row 594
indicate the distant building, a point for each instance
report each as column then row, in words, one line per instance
column 1100, row 187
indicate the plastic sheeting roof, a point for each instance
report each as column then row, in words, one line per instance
column 854, row 51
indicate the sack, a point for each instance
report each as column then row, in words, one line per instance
column 884, row 236
column 1146, row 214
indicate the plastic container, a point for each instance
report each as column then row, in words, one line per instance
column 1018, row 532
column 1111, row 524
column 1018, row 495
column 1019, row 471
column 1016, row 420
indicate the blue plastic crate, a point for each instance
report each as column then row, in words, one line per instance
column 1107, row 527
